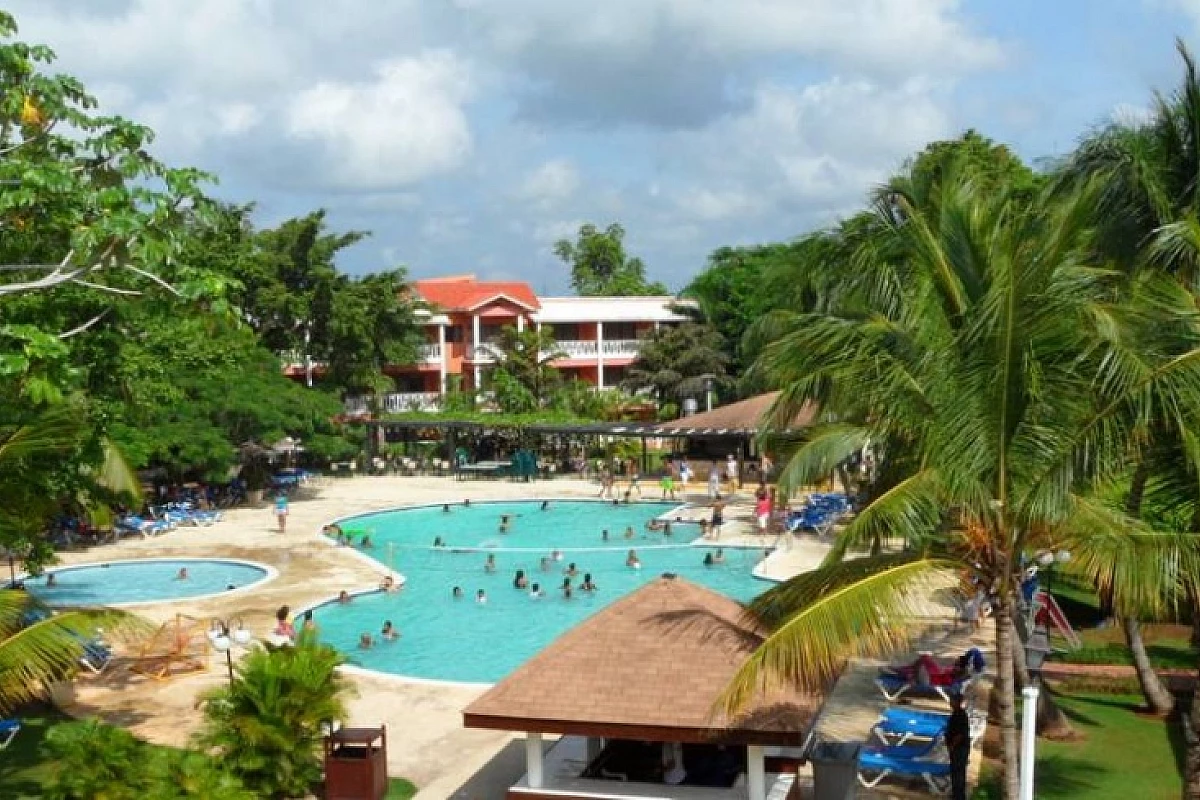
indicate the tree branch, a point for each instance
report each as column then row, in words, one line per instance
column 81, row 328
column 112, row 289
column 155, row 278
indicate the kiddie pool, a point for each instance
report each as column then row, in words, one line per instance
column 146, row 580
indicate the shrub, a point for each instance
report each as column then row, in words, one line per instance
column 267, row 725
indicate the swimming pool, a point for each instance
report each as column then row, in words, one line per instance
column 459, row 640
column 145, row 580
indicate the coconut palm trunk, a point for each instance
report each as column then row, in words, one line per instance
column 1158, row 698
column 1006, row 697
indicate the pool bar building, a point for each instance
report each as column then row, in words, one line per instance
column 633, row 693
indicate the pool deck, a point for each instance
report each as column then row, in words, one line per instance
column 427, row 742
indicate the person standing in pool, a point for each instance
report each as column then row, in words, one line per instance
column 281, row 512
column 389, row 632
column 587, row 585
column 566, row 588
column 457, row 593
column 535, row 592
column 489, row 566
column 632, row 560
column 718, row 519
column 545, row 505
column 481, row 597
column 708, row 560
column 51, row 580
column 445, row 508
column 570, row 571
column 519, row 580
column 182, row 575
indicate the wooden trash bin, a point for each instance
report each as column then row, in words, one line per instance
column 356, row 764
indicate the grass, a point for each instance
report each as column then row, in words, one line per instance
column 1120, row 754
column 25, row 772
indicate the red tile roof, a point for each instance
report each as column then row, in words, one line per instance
column 464, row 293
column 652, row 663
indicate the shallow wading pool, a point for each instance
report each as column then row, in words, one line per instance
column 149, row 580
column 461, row 640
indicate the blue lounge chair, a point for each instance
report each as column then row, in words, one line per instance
column 96, row 657
column 9, row 728
column 898, row 726
column 895, row 686
column 877, row 764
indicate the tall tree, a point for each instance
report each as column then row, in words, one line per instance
column 600, row 266
column 525, row 377
column 678, row 362
column 985, row 353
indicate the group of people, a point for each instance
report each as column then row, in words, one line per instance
column 522, row 583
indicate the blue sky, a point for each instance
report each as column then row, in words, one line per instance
column 469, row 135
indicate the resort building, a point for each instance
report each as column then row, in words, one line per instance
column 599, row 337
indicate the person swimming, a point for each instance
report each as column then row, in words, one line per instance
column 438, row 542
column 632, row 560
column 343, row 597
column 182, row 574
column 467, row 503
column 457, row 593
column 604, row 535
column 566, row 588
column 445, row 508
column 389, row 632
column 365, row 642
column 556, row 555
column 570, row 571
column 481, row 597
column 629, row 532
column 708, row 560
column 544, row 564
column 519, row 580
column 51, row 580
column 367, row 544
column 535, row 591
column 587, row 585
column 545, row 505
column 388, row 584
column 719, row 558
column 489, row 565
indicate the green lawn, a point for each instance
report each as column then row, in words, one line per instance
column 24, row 772
column 1121, row 755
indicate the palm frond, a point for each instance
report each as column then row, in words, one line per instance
column 909, row 511
column 825, row 447
column 820, row 619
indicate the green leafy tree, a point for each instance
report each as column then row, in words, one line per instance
column 678, row 362
column 985, row 353
column 525, row 378
column 600, row 267
column 266, row 727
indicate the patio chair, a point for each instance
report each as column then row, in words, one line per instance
column 878, row 764
column 96, row 657
column 9, row 728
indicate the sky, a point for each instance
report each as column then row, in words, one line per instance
column 469, row 135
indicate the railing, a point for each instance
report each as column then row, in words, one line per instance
column 571, row 348
column 355, row 406
column 483, row 353
column 622, row 347
column 399, row 402
column 429, row 352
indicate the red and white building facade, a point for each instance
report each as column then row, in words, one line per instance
column 599, row 336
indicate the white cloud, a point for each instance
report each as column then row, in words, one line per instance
column 552, row 182
column 406, row 124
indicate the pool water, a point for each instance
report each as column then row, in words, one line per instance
column 142, row 581
column 461, row 640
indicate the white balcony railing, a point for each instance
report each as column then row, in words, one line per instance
column 483, row 354
column 571, row 348
column 429, row 352
column 399, row 402
column 355, row 406
column 622, row 347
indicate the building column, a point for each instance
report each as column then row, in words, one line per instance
column 474, row 346
column 520, row 323
column 533, row 759
column 756, row 773
column 599, row 355
column 442, row 361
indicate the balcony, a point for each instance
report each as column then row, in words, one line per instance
column 627, row 348
column 483, row 354
column 571, row 348
column 399, row 402
column 429, row 353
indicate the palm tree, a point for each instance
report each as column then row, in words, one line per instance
column 675, row 362
column 266, row 726
column 38, row 648
column 983, row 351
column 526, row 358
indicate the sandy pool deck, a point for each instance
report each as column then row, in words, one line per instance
column 427, row 743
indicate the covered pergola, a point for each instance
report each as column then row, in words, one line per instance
column 633, row 691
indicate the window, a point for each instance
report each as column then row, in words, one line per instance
column 490, row 333
column 454, row 334
column 620, row 330
column 565, row 331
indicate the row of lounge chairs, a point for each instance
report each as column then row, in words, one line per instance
column 819, row 512
column 165, row 518
column 908, row 743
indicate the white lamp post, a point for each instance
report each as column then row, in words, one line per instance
column 224, row 637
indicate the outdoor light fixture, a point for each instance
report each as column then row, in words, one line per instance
column 1037, row 649
column 224, row 636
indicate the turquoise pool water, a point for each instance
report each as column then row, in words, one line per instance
column 147, row 581
column 461, row 640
